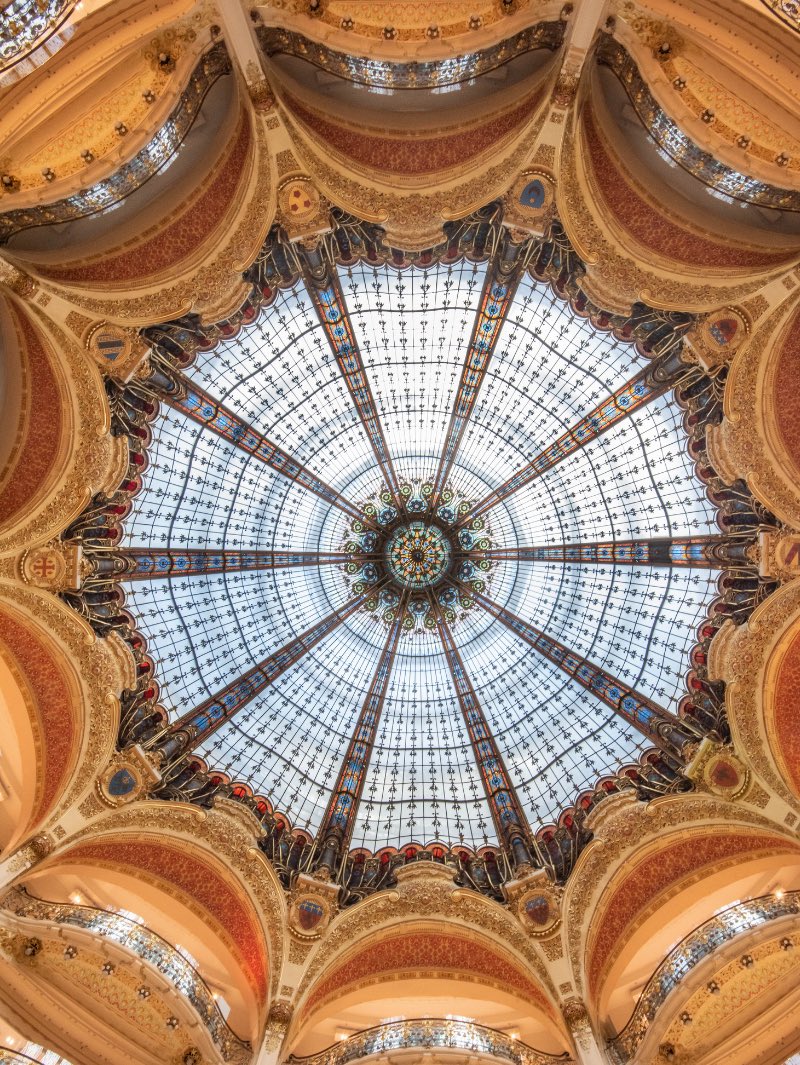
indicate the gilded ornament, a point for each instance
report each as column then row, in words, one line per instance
column 632, row 826
column 55, row 566
column 129, row 776
column 530, row 202
column 227, row 838
column 719, row 769
column 716, row 339
column 779, row 555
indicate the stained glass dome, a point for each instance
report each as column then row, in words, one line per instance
column 516, row 626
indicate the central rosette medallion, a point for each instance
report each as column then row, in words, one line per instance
column 418, row 555
column 423, row 560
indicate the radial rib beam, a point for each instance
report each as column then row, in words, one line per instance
column 145, row 564
column 510, row 822
column 202, row 408
column 499, row 288
column 625, row 401
column 340, row 816
column 194, row 727
column 712, row 552
column 667, row 731
column 329, row 303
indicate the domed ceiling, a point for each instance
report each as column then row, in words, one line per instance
column 496, row 551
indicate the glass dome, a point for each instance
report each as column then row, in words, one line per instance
column 542, row 602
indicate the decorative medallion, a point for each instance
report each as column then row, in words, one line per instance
column 418, row 557
column 719, row 769
column 726, row 775
column 530, row 201
column 779, row 555
column 301, row 208
column 108, row 343
column 309, row 915
column 54, row 566
column 718, row 337
column 129, row 776
column 539, row 911
column 117, row 351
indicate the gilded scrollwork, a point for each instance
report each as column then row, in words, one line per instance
column 424, row 896
column 615, row 271
column 414, row 219
column 627, row 829
column 746, row 658
column 746, row 439
column 232, row 838
column 216, row 283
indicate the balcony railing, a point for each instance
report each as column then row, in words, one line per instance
column 678, row 146
column 26, row 24
column 431, row 1034
column 147, row 162
column 698, row 945
column 32, row 1053
column 432, row 74
column 148, row 946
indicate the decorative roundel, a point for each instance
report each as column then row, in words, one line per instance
column 121, row 783
column 420, row 559
column 109, row 343
column 726, row 775
column 44, row 567
column 540, row 912
column 299, row 201
column 724, row 330
column 418, row 555
column 310, row 915
column 533, row 193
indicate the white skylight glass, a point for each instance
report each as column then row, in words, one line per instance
column 549, row 369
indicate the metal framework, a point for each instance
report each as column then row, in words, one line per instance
column 339, row 819
column 499, row 288
column 143, row 564
column 622, row 404
column 208, row 412
column 197, row 725
column 714, row 552
column 510, row 822
column 329, row 304
column 653, row 721
column 281, row 268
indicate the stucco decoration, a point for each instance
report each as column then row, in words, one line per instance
column 642, row 221
column 619, row 272
column 72, row 680
column 227, row 833
column 413, row 219
column 760, row 660
column 426, row 893
column 192, row 876
column 211, row 271
column 64, row 452
column 660, row 872
column 630, row 832
column 759, row 437
column 433, row 950
column 748, row 985
column 176, row 240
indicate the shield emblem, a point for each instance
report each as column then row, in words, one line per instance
column 724, row 775
column 724, row 330
column 121, row 783
column 537, row 910
column 109, row 344
column 309, row 914
column 533, row 195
